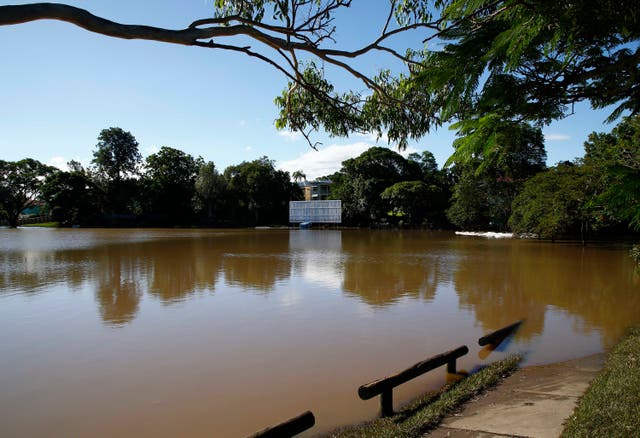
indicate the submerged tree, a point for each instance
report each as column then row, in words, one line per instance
column 361, row 181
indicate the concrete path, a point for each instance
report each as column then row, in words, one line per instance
column 533, row 402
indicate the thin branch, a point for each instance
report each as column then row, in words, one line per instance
column 392, row 7
column 324, row 11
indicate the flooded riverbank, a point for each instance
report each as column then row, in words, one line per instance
column 200, row 332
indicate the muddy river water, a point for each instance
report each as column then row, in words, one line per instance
column 222, row 333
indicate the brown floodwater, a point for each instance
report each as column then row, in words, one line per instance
column 223, row 333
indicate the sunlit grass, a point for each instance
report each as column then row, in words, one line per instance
column 42, row 225
column 611, row 405
column 426, row 412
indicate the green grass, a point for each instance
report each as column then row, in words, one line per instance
column 426, row 413
column 43, row 224
column 611, row 405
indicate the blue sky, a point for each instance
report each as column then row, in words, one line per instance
column 60, row 85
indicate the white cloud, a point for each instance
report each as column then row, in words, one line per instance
column 59, row 162
column 325, row 161
column 150, row 150
column 383, row 141
column 557, row 137
column 248, row 148
column 407, row 151
column 290, row 135
column 373, row 137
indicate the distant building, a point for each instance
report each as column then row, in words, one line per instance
column 317, row 212
column 315, row 190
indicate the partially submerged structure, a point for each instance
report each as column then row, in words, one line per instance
column 317, row 212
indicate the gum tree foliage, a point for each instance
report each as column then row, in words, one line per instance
column 361, row 181
column 413, row 202
column 488, row 182
column 484, row 63
column 615, row 157
column 20, row 186
column 503, row 62
column 116, row 160
column 258, row 193
column 210, row 189
column 73, row 198
column 556, row 203
column 116, row 155
column 169, row 185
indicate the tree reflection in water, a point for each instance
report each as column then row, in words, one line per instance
column 383, row 267
column 505, row 281
column 499, row 281
column 258, row 260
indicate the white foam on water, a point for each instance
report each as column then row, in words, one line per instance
column 487, row 234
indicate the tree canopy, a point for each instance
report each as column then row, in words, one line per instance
column 116, row 154
column 20, row 183
column 169, row 183
column 616, row 158
column 261, row 193
column 488, row 181
column 597, row 193
column 483, row 64
column 556, row 203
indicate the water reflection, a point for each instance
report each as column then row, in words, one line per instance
column 256, row 260
column 499, row 281
column 318, row 257
column 277, row 310
column 168, row 269
column 490, row 283
column 381, row 268
column 503, row 281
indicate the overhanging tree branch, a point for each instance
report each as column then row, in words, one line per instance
column 287, row 40
column 514, row 59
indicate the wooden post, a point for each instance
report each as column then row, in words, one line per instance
column 288, row 428
column 451, row 366
column 384, row 387
column 386, row 403
column 500, row 335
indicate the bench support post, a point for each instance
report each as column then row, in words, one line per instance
column 386, row 403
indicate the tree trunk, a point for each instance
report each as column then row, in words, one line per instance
column 13, row 220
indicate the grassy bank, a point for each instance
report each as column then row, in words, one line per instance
column 42, row 225
column 426, row 413
column 611, row 405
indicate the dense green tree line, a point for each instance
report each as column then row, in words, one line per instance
column 507, row 189
column 168, row 188
column 597, row 194
column 382, row 187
